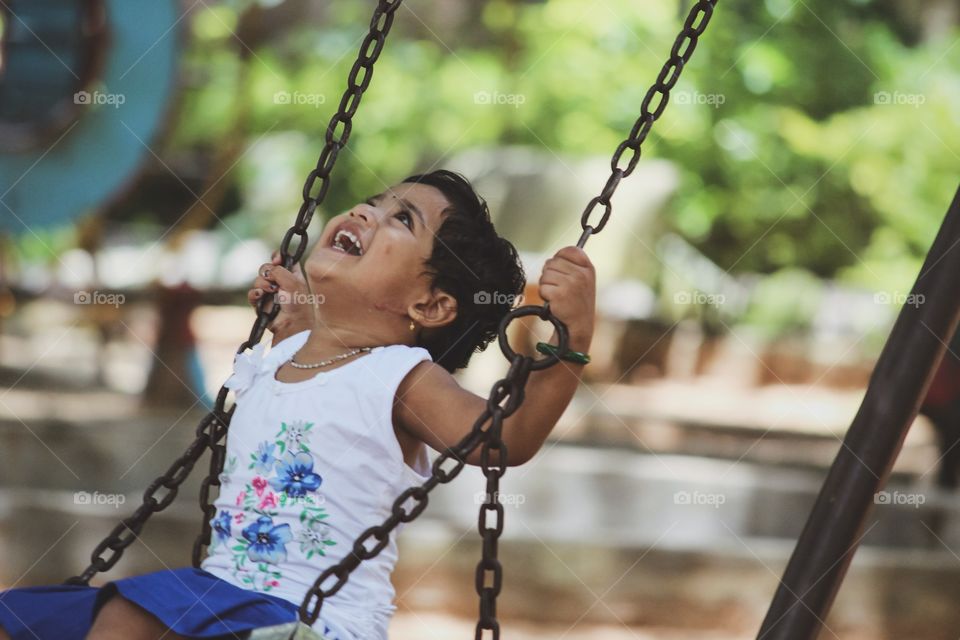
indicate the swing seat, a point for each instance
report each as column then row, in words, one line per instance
column 289, row 631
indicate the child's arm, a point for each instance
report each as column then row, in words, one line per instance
column 432, row 407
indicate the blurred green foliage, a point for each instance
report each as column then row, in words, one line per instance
column 799, row 163
column 814, row 135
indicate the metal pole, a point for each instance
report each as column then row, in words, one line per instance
column 897, row 387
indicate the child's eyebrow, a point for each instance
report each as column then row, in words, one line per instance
column 372, row 201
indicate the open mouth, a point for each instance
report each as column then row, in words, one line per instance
column 347, row 242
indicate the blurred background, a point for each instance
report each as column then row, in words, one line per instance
column 152, row 154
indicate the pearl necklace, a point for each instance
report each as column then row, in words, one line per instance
column 323, row 363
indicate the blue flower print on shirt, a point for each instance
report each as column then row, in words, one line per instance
column 267, row 542
column 295, row 475
column 263, row 459
column 221, row 527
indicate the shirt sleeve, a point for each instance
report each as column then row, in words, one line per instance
column 398, row 361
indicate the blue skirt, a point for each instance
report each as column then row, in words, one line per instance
column 191, row 602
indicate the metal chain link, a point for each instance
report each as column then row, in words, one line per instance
column 683, row 47
column 213, row 427
column 125, row 532
column 506, row 394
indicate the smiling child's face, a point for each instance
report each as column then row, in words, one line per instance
column 375, row 253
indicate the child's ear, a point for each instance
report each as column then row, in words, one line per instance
column 437, row 309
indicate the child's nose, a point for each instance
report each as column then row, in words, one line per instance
column 365, row 212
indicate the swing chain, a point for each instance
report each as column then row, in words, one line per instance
column 213, row 427
column 683, row 48
column 126, row 531
column 489, row 572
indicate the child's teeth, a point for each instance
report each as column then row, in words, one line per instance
column 354, row 241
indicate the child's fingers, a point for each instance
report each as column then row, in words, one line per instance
column 272, row 278
column 570, row 259
column 254, row 295
column 557, row 266
column 265, row 285
column 576, row 255
column 271, row 273
column 284, row 279
column 266, row 269
column 275, row 260
column 263, row 279
column 548, row 290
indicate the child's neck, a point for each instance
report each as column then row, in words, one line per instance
column 330, row 338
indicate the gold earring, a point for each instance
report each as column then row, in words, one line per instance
column 413, row 327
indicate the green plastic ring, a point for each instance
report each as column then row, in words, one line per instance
column 548, row 349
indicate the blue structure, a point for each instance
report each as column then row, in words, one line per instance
column 84, row 90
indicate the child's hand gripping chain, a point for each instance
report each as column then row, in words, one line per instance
column 568, row 283
column 289, row 289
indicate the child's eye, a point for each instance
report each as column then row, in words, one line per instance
column 405, row 218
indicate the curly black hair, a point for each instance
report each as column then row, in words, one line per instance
column 481, row 270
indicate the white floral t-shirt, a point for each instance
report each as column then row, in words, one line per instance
column 310, row 466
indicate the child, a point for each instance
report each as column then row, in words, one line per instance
column 333, row 423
